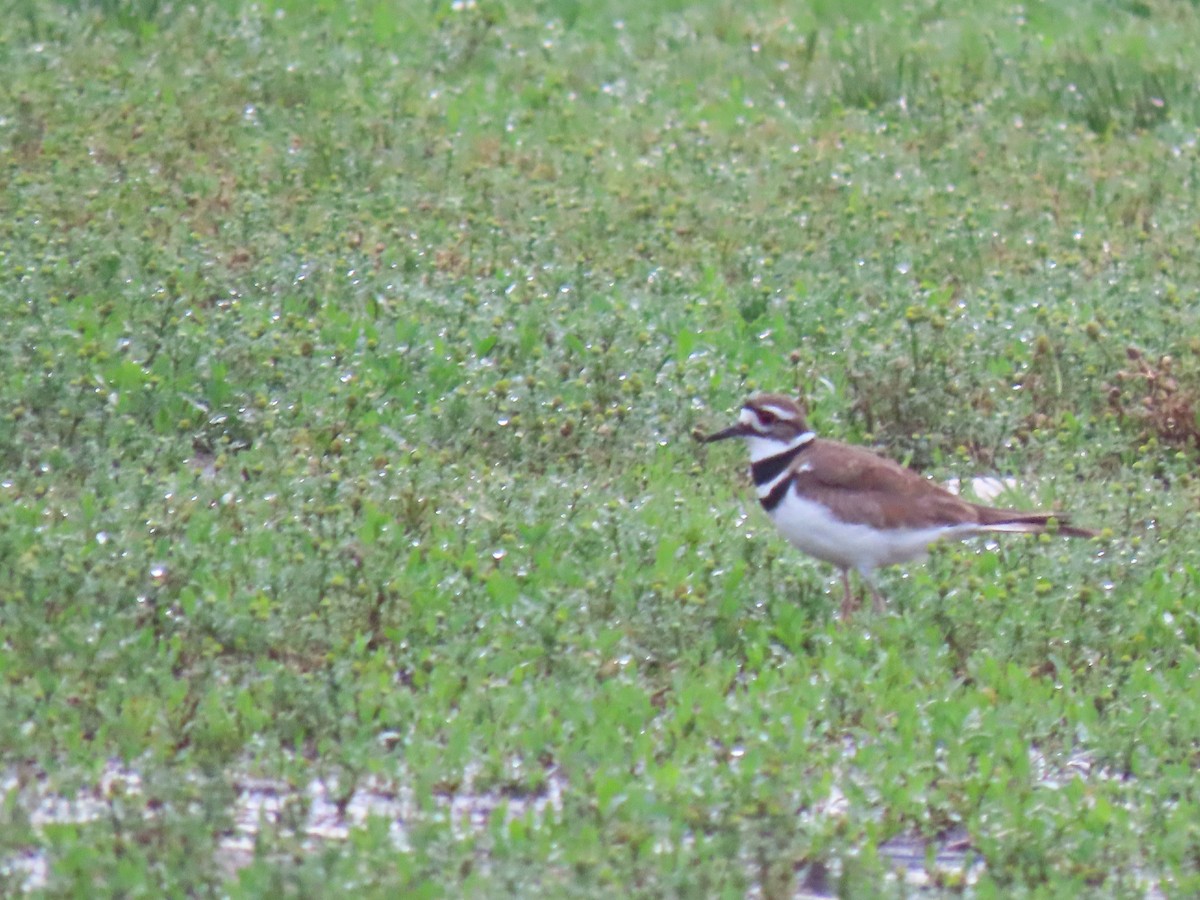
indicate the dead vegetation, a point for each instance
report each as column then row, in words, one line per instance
column 1160, row 398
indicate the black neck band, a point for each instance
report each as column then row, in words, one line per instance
column 767, row 470
column 777, row 493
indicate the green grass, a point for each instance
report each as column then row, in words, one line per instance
column 353, row 352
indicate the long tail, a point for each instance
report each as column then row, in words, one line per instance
column 1028, row 523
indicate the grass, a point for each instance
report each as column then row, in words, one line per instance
column 354, row 351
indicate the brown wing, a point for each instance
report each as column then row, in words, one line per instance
column 871, row 490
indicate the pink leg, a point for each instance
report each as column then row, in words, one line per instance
column 848, row 601
column 868, row 577
column 880, row 605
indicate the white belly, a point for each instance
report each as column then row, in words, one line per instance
column 810, row 527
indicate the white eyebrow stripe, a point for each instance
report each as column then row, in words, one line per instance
column 780, row 412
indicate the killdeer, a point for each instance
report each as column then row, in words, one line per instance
column 845, row 505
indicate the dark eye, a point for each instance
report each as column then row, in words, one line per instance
column 767, row 417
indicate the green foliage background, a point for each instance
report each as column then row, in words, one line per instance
column 353, row 352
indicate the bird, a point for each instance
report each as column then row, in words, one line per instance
column 851, row 507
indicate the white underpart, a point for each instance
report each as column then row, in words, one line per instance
column 811, row 528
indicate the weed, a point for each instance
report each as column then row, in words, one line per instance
column 351, row 534
column 1150, row 394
